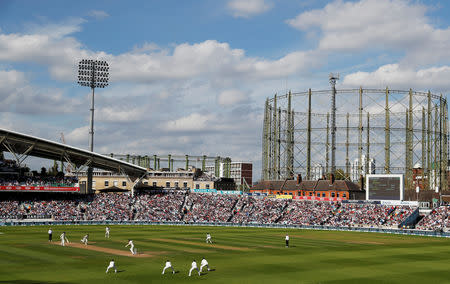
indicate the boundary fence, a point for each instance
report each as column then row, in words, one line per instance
column 217, row 224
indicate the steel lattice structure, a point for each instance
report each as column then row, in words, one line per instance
column 376, row 130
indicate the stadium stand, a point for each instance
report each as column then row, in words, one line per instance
column 437, row 220
column 183, row 206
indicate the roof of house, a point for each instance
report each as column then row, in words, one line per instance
column 320, row 185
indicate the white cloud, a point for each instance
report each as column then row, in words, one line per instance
column 57, row 30
column 399, row 25
column 248, row 8
column 120, row 113
column 194, row 122
column 17, row 95
column 393, row 75
column 78, row 136
column 232, row 97
column 10, row 81
column 210, row 59
column 98, row 14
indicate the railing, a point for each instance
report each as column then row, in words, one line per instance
column 226, row 224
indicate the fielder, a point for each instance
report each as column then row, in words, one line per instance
column 130, row 243
column 168, row 265
column 107, row 232
column 208, row 238
column 203, row 264
column 64, row 239
column 50, row 234
column 194, row 266
column 84, row 240
column 111, row 265
column 287, row 240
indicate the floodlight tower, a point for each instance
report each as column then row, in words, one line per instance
column 93, row 74
column 333, row 79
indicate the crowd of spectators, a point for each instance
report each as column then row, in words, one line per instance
column 437, row 220
column 37, row 181
column 107, row 206
column 158, row 207
column 398, row 214
column 309, row 213
column 362, row 215
column 207, row 207
column 181, row 206
column 261, row 211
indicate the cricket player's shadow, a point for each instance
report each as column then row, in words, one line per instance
column 119, row 271
column 206, row 272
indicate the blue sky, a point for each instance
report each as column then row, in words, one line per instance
column 192, row 76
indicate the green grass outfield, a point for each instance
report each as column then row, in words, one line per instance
column 239, row 255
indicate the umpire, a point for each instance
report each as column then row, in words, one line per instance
column 50, row 233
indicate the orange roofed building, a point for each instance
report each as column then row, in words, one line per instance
column 309, row 189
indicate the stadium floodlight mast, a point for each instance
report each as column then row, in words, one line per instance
column 93, row 74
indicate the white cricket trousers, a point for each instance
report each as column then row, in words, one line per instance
column 190, row 271
column 164, row 270
column 111, row 266
column 201, row 267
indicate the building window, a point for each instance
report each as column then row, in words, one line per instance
column 207, row 186
column 167, row 183
column 344, row 195
column 337, row 194
column 332, row 194
column 176, row 184
column 106, row 183
column 115, row 183
column 146, row 182
column 185, row 184
column 154, row 184
column 124, row 183
column 197, row 186
column 318, row 194
column 310, row 194
column 323, row 194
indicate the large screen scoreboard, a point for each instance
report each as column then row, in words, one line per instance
column 384, row 187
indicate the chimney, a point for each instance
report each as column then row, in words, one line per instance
column 299, row 179
column 361, row 182
column 332, row 178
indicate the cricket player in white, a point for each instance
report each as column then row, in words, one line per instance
column 84, row 240
column 203, row 264
column 194, row 266
column 168, row 265
column 107, row 232
column 287, row 240
column 111, row 265
column 50, row 234
column 208, row 238
column 130, row 243
column 63, row 239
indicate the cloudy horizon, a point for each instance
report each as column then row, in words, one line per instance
column 191, row 77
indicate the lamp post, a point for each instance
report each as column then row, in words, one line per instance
column 93, row 74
